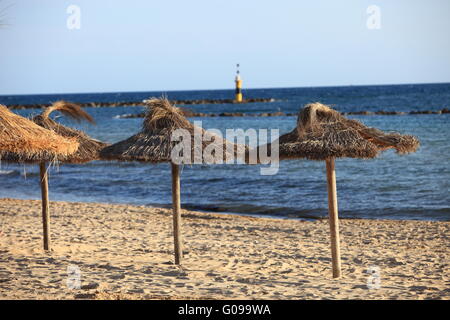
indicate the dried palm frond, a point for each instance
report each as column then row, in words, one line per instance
column 89, row 148
column 69, row 109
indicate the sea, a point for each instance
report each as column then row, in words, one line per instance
column 402, row 187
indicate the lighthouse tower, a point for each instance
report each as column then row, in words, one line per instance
column 238, row 96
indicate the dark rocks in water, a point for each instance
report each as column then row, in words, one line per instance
column 190, row 114
column 429, row 112
column 231, row 114
column 272, row 114
column 364, row 113
column 390, row 113
column 220, row 101
column 141, row 103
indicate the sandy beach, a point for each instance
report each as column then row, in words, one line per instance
column 126, row 252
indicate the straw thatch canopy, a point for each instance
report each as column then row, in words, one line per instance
column 154, row 142
column 323, row 133
column 89, row 148
column 21, row 140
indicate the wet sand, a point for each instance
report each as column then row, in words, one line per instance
column 126, row 252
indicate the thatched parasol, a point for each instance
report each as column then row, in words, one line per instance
column 88, row 150
column 154, row 144
column 324, row 134
column 23, row 141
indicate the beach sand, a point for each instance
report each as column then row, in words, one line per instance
column 126, row 252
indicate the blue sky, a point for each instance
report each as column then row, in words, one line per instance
column 188, row 45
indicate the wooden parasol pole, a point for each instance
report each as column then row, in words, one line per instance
column 176, row 213
column 333, row 218
column 45, row 205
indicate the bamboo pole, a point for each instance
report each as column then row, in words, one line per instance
column 45, row 205
column 176, row 213
column 333, row 218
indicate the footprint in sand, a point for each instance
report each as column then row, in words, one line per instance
column 90, row 286
column 147, row 270
column 286, row 271
column 174, row 273
column 117, row 276
column 85, row 296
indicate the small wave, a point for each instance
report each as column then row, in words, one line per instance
column 258, row 211
column 129, row 116
column 8, row 172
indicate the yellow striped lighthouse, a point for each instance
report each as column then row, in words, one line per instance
column 238, row 96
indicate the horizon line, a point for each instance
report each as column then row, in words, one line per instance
column 231, row 89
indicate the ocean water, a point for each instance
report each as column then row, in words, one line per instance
column 415, row 186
